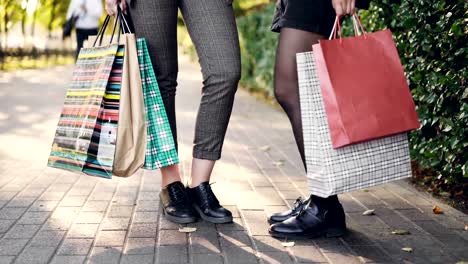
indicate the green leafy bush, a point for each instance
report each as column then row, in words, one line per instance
column 258, row 45
column 431, row 37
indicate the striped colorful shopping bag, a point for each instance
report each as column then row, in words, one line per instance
column 160, row 149
column 86, row 132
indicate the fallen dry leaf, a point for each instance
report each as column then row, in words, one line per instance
column 400, row 232
column 288, row 244
column 369, row 212
column 437, row 210
column 278, row 163
column 187, row 229
column 265, row 148
column 407, row 249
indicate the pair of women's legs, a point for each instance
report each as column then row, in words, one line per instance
column 291, row 42
column 211, row 25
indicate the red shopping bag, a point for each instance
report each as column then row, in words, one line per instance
column 364, row 88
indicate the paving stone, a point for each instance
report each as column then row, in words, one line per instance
column 340, row 257
column 269, row 196
column 36, row 255
column 204, row 242
column 204, row 227
column 111, row 238
column 95, row 206
column 5, row 225
column 124, row 201
column 140, row 259
column 58, row 224
column 241, row 255
column 308, row 254
column 34, row 218
column 6, row 259
column 207, row 258
column 101, row 196
column 68, row 260
column 148, row 196
column 372, row 254
column 43, row 206
column 66, row 212
column 12, row 247
column 115, row 224
column 275, row 258
column 147, row 206
column 166, row 224
column 143, row 230
column 72, row 246
column 121, row 211
column 235, row 238
column 9, row 213
column 32, row 191
column 174, row 254
column 250, row 201
column 256, row 220
column 83, row 231
column 21, row 202
column 267, row 244
column 90, row 217
column 22, row 231
column 80, row 191
column 171, row 237
column 52, row 196
column 146, row 217
column 71, row 201
column 236, row 225
column 140, row 246
column 105, row 255
column 60, row 187
column 46, row 238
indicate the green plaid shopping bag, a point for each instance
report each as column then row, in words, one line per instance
column 160, row 148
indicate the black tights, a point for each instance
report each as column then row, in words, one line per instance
column 292, row 41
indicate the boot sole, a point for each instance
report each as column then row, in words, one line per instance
column 329, row 233
column 214, row 220
column 179, row 220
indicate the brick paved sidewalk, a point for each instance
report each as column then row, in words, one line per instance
column 51, row 216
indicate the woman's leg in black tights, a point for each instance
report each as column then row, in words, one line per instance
column 292, row 41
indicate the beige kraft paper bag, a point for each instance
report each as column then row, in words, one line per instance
column 131, row 132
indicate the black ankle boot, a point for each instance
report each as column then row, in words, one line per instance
column 280, row 217
column 207, row 205
column 176, row 205
column 315, row 220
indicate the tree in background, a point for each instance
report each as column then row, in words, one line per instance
column 10, row 14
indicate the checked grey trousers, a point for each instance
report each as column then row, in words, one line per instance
column 212, row 28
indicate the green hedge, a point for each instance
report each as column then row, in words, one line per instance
column 431, row 37
column 258, row 45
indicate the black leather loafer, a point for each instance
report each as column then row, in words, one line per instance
column 312, row 222
column 176, row 205
column 297, row 207
column 207, row 205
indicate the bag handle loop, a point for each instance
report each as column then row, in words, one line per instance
column 357, row 25
column 119, row 21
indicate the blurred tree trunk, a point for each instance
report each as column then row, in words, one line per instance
column 52, row 18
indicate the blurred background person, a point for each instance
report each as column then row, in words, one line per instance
column 85, row 14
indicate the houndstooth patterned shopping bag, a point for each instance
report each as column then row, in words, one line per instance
column 160, row 149
column 333, row 171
